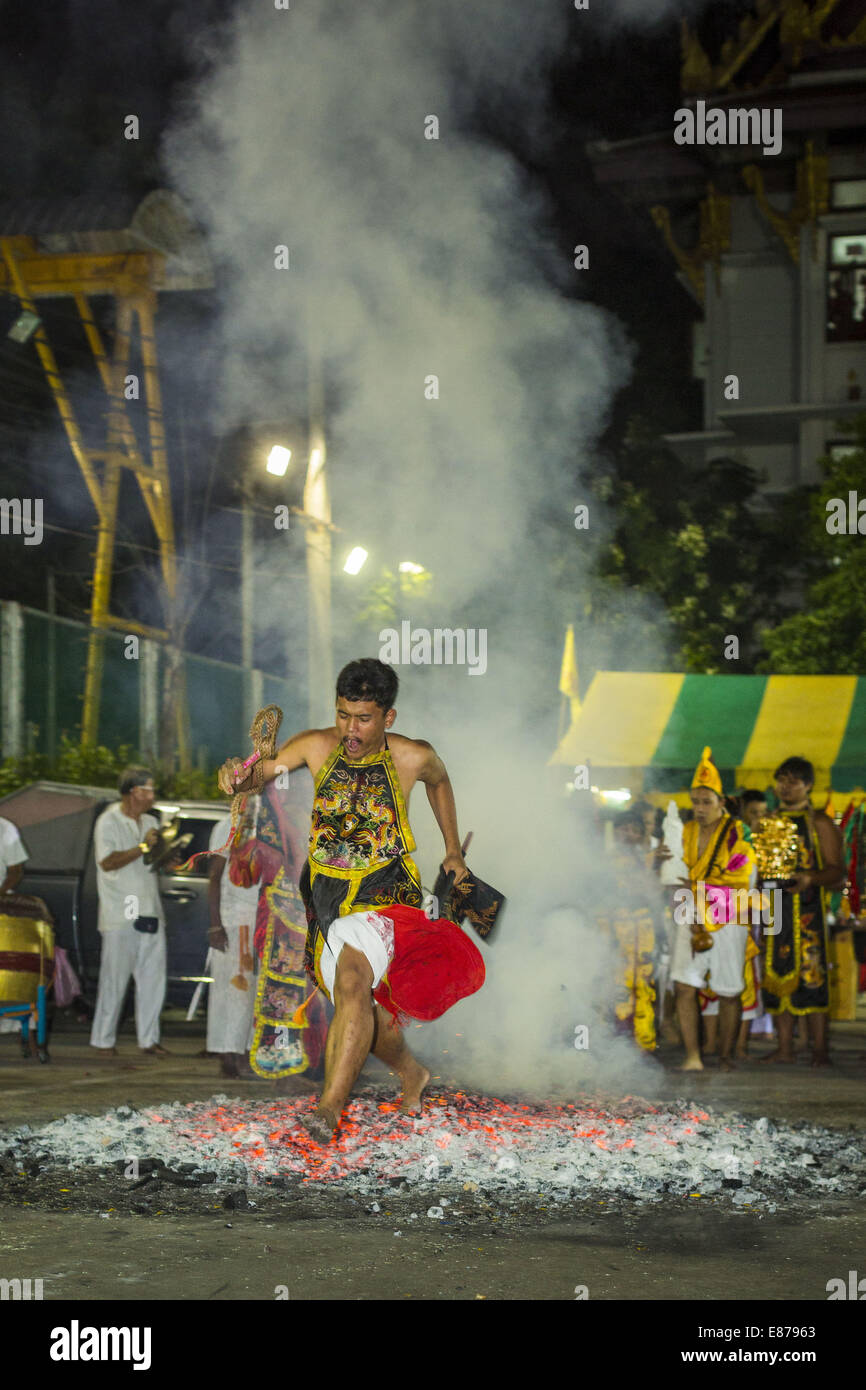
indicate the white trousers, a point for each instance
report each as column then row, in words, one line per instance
column 127, row 952
column 369, row 933
column 721, row 967
column 231, row 997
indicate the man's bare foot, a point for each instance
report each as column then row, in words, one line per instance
column 106, row 1051
column 727, row 1064
column 155, row 1051
column 321, row 1125
column 821, row 1059
column 779, row 1056
column 741, row 1055
column 691, row 1064
column 414, row 1082
column 229, row 1069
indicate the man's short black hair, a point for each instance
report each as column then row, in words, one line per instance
column 797, row 767
column 630, row 817
column 133, row 777
column 750, row 795
column 368, row 679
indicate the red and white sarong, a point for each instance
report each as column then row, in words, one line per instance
column 420, row 967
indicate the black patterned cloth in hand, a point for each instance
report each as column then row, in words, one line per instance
column 472, row 898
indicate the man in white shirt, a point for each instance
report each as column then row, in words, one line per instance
column 131, row 917
column 12, row 856
column 231, row 996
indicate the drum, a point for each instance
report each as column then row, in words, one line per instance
column 26, row 948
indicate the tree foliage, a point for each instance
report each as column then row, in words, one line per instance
column 101, row 767
column 827, row 635
column 697, row 541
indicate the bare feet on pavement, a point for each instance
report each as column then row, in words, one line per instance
column 779, row 1056
column 321, row 1125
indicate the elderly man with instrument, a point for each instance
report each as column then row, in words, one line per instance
column 131, row 917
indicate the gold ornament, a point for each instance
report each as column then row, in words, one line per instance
column 777, row 847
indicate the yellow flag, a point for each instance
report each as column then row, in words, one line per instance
column 568, row 681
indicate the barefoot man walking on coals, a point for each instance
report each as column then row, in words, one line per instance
column 360, row 877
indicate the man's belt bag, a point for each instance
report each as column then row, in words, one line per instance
column 148, row 924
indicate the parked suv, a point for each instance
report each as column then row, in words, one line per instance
column 56, row 822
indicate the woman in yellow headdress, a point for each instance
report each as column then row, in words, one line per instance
column 712, row 915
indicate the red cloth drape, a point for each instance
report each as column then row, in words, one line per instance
column 435, row 964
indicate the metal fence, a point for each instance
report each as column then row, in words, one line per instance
column 43, row 660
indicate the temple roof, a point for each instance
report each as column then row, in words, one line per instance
column 779, row 38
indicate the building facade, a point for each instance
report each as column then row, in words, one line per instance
column 758, row 187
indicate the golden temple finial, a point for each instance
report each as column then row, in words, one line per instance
column 751, row 32
column 800, row 24
column 696, row 73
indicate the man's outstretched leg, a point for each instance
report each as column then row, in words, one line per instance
column 349, row 1040
column 389, row 1045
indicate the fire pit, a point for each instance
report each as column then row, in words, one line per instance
column 588, row 1148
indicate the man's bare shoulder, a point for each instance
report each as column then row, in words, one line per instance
column 309, row 746
column 320, row 742
column 415, row 750
column 312, row 736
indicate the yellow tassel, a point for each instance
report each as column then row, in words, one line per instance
column 299, row 1018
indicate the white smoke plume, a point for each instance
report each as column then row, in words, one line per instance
column 412, row 257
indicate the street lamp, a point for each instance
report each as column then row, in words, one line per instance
column 356, row 560
column 278, row 460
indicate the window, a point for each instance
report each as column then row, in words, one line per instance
column 839, row 452
column 846, row 288
column 848, row 193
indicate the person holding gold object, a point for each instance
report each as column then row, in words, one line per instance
column 131, row 916
column 796, row 975
column 712, row 926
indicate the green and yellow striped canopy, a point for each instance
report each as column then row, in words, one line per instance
column 646, row 730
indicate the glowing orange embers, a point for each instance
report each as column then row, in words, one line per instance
column 467, row 1137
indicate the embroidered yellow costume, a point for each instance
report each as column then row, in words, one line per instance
column 360, row 851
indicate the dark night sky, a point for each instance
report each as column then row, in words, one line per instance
column 70, row 73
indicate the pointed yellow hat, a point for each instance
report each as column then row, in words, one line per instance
column 707, row 774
